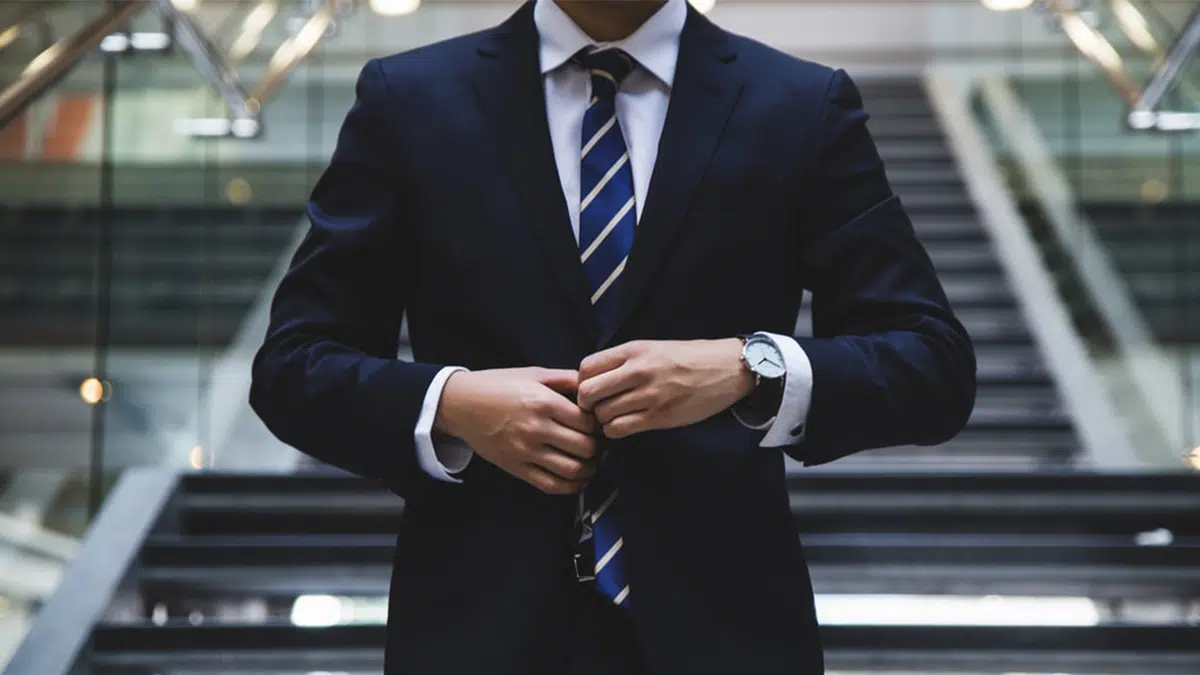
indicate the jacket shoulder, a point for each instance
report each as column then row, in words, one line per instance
column 799, row 75
column 437, row 61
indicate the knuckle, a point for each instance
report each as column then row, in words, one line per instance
column 642, row 369
column 528, row 427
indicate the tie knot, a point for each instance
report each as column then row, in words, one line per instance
column 609, row 67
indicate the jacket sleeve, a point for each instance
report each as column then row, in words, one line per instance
column 327, row 380
column 891, row 364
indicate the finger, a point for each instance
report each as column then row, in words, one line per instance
column 550, row 483
column 634, row 400
column 565, row 382
column 566, row 413
column 563, row 465
column 570, row 441
column 610, row 383
column 609, row 359
column 628, row 425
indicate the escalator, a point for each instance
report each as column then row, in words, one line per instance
column 215, row 573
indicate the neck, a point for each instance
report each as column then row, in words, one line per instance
column 609, row 20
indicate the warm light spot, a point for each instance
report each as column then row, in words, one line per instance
column 1194, row 458
column 1007, row 5
column 45, row 58
column 1154, row 191
column 92, row 391
column 185, row 5
column 394, row 7
column 316, row 611
column 9, row 36
column 196, row 457
column 238, row 191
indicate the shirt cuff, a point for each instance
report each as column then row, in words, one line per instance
column 444, row 456
column 787, row 426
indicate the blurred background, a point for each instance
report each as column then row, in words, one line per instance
column 155, row 159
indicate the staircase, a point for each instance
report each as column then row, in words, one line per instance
column 1156, row 248
column 180, row 277
column 181, row 280
column 1019, row 423
column 288, row 574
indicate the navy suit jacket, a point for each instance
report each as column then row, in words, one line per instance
column 442, row 200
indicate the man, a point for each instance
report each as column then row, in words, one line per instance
column 600, row 218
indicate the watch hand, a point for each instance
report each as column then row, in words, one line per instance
column 772, row 362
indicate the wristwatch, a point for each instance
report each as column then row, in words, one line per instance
column 764, row 359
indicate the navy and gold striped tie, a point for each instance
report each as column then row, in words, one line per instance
column 607, row 218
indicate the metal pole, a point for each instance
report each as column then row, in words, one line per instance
column 48, row 67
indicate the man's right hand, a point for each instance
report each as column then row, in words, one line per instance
column 525, row 421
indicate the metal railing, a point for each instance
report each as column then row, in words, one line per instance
column 1106, row 441
column 1151, row 372
column 91, row 587
column 57, row 60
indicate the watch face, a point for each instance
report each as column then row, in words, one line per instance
column 764, row 358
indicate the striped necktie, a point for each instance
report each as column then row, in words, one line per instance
column 607, row 218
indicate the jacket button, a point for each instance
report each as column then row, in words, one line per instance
column 798, row 429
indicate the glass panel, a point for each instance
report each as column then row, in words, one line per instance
column 1135, row 213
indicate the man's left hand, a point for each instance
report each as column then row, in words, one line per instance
column 662, row 384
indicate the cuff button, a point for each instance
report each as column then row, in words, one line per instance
column 798, row 429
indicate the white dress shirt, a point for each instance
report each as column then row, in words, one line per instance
column 641, row 111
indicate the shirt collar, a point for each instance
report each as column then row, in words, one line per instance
column 654, row 45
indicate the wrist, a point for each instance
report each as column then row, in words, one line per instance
column 745, row 380
column 448, row 419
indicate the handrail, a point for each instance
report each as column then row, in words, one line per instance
column 208, row 61
column 1183, row 49
column 1147, row 365
column 64, row 626
column 52, row 64
column 294, row 50
column 1104, row 439
column 22, row 16
column 1095, row 47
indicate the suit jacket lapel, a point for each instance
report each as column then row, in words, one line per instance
column 512, row 95
column 704, row 93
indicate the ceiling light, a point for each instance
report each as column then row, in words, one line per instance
column 394, row 7
column 1007, row 5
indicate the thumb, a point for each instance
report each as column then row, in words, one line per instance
column 565, row 382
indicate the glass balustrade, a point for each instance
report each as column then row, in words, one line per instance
column 1128, row 252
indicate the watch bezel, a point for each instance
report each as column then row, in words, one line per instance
column 760, row 376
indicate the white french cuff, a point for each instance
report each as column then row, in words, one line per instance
column 445, row 456
column 787, row 426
